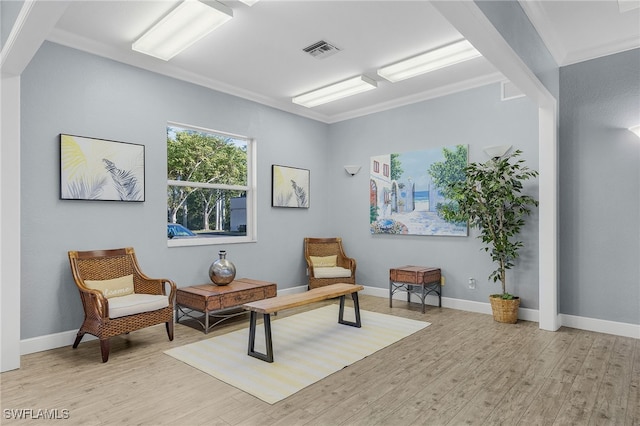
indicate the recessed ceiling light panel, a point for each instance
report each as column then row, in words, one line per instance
column 182, row 27
column 429, row 61
column 335, row 91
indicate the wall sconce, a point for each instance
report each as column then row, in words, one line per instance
column 352, row 170
column 496, row 151
column 635, row 130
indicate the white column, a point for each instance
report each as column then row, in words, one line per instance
column 548, row 219
column 10, row 223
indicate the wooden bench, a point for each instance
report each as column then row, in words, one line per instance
column 270, row 306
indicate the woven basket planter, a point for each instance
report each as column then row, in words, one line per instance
column 505, row 311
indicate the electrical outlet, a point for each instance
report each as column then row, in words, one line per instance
column 472, row 283
column 442, row 280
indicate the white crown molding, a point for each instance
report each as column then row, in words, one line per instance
column 563, row 57
column 540, row 21
column 602, row 50
column 165, row 68
column 158, row 66
column 627, row 5
column 438, row 92
column 33, row 23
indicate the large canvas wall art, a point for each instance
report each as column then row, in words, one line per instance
column 290, row 187
column 97, row 169
column 406, row 191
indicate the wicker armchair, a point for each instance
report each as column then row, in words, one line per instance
column 323, row 247
column 90, row 267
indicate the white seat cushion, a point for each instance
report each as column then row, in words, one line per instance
column 332, row 272
column 136, row 303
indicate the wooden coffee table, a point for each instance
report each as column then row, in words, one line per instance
column 220, row 302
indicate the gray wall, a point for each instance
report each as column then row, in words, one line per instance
column 68, row 91
column 476, row 117
column 599, row 188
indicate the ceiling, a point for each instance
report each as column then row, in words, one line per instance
column 258, row 54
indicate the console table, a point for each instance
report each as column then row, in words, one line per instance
column 419, row 280
column 220, row 301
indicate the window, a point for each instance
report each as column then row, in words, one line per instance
column 210, row 189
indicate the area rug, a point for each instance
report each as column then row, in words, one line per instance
column 307, row 347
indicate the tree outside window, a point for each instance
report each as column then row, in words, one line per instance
column 208, row 190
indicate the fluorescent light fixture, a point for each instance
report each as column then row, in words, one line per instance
column 430, row 61
column 636, row 130
column 335, row 91
column 496, row 151
column 182, row 27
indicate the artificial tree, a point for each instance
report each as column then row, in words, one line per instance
column 491, row 199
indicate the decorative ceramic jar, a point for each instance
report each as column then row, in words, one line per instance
column 222, row 271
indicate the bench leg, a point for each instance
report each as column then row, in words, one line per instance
column 356, row 308
column 268, row 357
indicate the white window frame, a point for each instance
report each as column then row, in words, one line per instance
column 250, row 189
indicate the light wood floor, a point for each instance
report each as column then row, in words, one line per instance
column 463, row 369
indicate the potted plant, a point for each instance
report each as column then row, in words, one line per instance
column 490, row 199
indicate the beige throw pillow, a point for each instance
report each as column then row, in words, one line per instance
column 324, row 261
column 112, row 288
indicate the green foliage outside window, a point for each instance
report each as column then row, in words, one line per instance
column 212, row 163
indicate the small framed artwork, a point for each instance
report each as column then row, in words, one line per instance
column 101, row 170
column 290, row 187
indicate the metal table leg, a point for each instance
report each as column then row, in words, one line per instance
column 356, row 308
column 268, row 357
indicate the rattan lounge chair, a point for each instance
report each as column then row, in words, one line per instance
column 142, row 308
column 321, row 275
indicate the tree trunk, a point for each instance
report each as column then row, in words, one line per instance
column 503, row 277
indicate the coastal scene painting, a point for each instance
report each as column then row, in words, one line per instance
column 407, row 190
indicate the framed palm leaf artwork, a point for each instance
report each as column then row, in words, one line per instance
column 290, row 187
column 101, row 170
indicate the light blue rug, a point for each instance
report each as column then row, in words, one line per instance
column 307, row 347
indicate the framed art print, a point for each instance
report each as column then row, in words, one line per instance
column 290, row 187
column 408, row 189
column 98, row 169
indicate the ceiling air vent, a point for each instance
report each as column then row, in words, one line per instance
column 321, row 49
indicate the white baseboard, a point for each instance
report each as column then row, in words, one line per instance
column 447, row 302
column 51, row 341
column 66, row 338
column 582, row 323
column 601, row 326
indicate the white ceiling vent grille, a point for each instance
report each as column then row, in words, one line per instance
column 321, row 49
